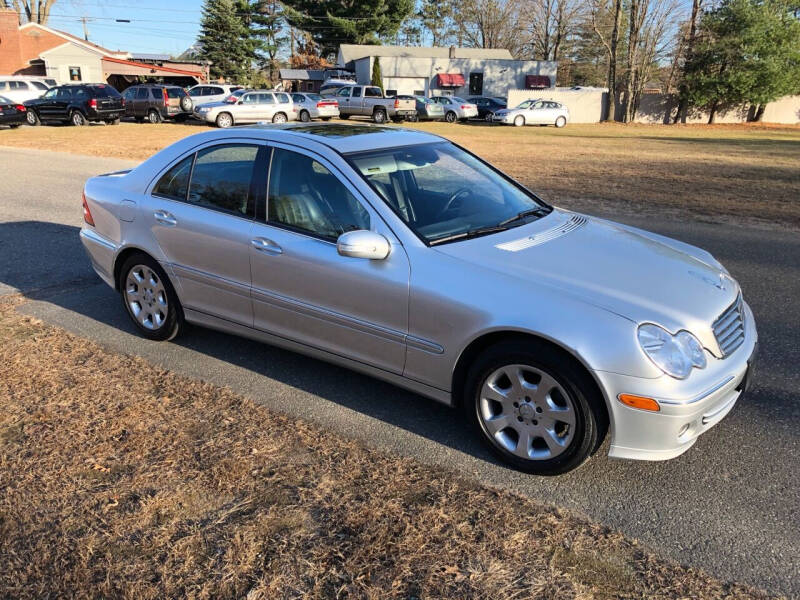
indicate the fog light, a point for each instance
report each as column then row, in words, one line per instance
column 640, row 402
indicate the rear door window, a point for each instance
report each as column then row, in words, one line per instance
column 298, row 98
column 283, row 98
column 142, row 94
column 175, row 182
column 216, row 91
column 38, row 85
column 222, row 177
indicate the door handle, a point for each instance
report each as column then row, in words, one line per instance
column 165, row 218
column 266, row 246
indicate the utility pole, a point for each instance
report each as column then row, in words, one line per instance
column 85, row 29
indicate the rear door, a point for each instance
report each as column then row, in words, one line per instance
column 343, row 97
column 200, row 212
column 60, row 108
column 142, row 102
column 129, row 96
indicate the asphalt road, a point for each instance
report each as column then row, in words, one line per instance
column 730, row 505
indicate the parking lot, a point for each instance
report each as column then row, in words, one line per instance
column 729, row 505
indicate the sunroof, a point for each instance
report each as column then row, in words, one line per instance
column 335, row 130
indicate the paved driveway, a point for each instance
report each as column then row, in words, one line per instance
column 730, row 505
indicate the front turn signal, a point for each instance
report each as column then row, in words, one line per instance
column 640, row 402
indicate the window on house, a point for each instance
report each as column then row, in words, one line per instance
column 75, row 74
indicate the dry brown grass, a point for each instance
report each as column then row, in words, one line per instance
column 119, row 479
column 749, row 171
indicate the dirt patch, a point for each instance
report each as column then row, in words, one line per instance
column 120, row 479
column 728, row 172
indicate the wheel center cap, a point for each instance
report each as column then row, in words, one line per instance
column 526, row 411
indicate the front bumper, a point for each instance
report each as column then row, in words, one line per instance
column 688, row 408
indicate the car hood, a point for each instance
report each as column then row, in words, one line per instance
column 640, row 276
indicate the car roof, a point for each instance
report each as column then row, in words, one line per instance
column 342, row 138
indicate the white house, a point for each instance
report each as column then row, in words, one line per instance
column 447, row 71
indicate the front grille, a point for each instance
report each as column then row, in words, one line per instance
column 729, row 328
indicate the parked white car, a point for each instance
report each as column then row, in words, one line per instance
column 313, row 106
column 456, row 109
column 20, row 89
column 253, row 107
column 206, row 93
column 534, row 112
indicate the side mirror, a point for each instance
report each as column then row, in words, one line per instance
column 363, row 244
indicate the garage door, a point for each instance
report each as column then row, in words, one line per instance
column 405, row 85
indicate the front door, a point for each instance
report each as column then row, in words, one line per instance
column 303, row 289
column 475, row 84
column 201, row 214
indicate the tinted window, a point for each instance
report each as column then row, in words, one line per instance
column 221, row 178
column 299, row 98
column 141, row 94
column 2, row 85
column 198, row 91
column 38, row 85
column 213, row 91
column 156, row 94
column 304, row 195
column 357, row 92
column 105, row 91
column 250, row 99
column 129, row 94
column 314, row 97
column 51, row 93
column 373, row 92
column 283, row 98
column 64, row 93
column 175, row 92
column 81, row 94
column 175, row 182
column 20, row 85
column 266, row 99
column 345, row 91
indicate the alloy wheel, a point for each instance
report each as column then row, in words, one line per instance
column 78, row 119
column 146, row 297
column 224, row 120
column 525, row 411
column 519, row 121
column 279, row 118
column 450, row 117
column 305, row 117
column 31, row 118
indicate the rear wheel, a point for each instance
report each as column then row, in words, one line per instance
column 77, row 118
column 150, row 299
column 224, row 120
column 32, row 118
column 154, row 116
column 379, row 116
column 344, row 117
column 534, row 408
column 326, row 118
column 451, row 117
column 561, row 121
column 519, row 121
column 279, row 118
column 15, row 125
column 304, row 116
column 489, row 117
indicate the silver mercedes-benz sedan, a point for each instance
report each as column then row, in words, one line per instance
column 400, row 254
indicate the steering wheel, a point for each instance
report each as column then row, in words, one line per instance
column 464, row 191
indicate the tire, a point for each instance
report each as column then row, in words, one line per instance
column 344, row 117
column 279, row 118
column 77, row 118
column 139, row 119
column 154, row 117
column 379, row 117
column 304, row 116
column 544, row 432
column 15, row 125
column 187, row 104
column 32, row 118
column 451, row 117
column 560, row 122
column 150, row 299
column 113, row 121
column 325, row 118
column 488, row 117
column 224, row 120
column 519, row 121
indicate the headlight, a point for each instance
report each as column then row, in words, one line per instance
column 676, row 355
column 201, row 109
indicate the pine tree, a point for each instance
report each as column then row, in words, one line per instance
column 226, row 41
column 377, row 76
column 267, row 27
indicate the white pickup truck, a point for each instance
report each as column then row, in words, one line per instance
column 369, row 101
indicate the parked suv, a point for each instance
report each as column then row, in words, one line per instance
column 156, row 102
column 253, row 107
column 205, row 92
column 77, row 104
column 20, row 89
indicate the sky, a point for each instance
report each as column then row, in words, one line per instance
column 156, row 26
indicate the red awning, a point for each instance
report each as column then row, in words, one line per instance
column 536, row 81
column 450, row 80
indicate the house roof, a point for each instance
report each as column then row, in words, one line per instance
column 301, row 74
column 351, row 52
column 75, row 39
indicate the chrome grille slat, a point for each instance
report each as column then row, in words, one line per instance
column 573, row 223
column 729, row 328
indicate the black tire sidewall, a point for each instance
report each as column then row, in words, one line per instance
column 305, row 113
column 174, row 321
column 589, row 421
column 36, row 120
column 451, row 117
column 379, row 117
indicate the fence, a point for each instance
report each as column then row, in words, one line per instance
column 589, row 105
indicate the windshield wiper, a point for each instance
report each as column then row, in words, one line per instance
column 465, row 235
column 539, row 211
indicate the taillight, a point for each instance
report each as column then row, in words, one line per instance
column 20, row 108
column 87, row 215
column 465, row 106
column 92, row 103
column 166, row 98
column 397, row 103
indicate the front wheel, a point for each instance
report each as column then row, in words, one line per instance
column 489, row 117
column 534, row 408
column 154, row 117
column 32, row 118
column 304, row 116
column 561, row 121
column 279, row 118
column 519, row 121
column 379, row 117
column 77, row 118
column 224, row 120
column 150, row 299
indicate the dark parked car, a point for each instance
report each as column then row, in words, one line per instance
column 156, row 102
column 11, row 113
column 78, row 104
column 487, row 106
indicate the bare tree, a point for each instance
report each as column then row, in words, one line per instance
column 35, row 11
column 488, row 24
column 599, row 8
column 548, row 24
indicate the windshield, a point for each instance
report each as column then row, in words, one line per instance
column 443, row 193
column 525, row 104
